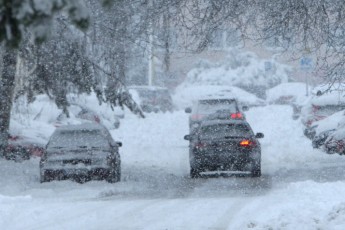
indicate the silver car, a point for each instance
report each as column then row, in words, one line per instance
column 81, row 152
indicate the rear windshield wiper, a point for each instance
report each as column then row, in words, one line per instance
column 231, row 137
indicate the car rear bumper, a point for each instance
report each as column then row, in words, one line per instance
column 62, row 174
column 228, row 160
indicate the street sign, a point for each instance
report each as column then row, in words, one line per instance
column 306, row 63
column 268, row 66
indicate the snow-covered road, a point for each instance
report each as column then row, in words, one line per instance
column 301, row 188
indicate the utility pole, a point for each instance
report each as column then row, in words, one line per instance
column 306, row 65
column 151, row 54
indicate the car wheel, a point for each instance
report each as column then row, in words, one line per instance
column 81, row 179
column 114, row 174
column 256, row 172
column 117, row 125
column 195, row 173
column 45, row 177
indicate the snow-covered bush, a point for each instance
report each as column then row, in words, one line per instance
column 239, row 69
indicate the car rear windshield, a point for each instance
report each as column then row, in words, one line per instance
column 225, row 130
column 78, row 139
column 211, row 106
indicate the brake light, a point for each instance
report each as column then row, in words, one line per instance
column 315, row 108
column 96, row 119
column 200, row 145
column 247, row 143
column 236, row 116
column 197, row 116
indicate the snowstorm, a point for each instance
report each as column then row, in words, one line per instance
column 172, row 115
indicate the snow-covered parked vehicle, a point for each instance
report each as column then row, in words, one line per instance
column 152, row 98
column 290, row 93
column 321, row 130
column 81, row 152
column 21, row 147
column 287, row 93
column 320, row 106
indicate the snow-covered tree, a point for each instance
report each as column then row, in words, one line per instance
column 18, row 17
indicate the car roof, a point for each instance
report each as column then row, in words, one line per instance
column 85, row 126
column 146, row 87
column 217, row 100
column 223, row 122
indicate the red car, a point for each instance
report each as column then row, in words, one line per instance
column 23, row 148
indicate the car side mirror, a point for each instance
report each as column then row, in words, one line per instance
column 188, row 110
column 245, row 108
column 259, row 135
column 187, row 137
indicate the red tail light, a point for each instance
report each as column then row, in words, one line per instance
column 236, row 116
column 197, row 116
column 96, row 119
column 247, row 143
column 200, row 145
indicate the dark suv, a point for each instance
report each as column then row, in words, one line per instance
column 224, row 145
column 211, row 109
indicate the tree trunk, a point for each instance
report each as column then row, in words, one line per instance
column 7, row 81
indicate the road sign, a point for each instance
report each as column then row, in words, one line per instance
column 268, row 66
column 306, row 63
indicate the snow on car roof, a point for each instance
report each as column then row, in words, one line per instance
column 331, row 122
column 84, row 126
column 147, row 87
column 184, row 96
column 223, row 122
column 329, row 98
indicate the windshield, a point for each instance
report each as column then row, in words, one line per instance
column 77, row 139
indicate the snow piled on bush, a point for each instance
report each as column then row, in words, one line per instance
column 239, row 68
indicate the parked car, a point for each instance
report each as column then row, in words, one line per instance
column 335, row 142
column 205, row 109
column 152, row 98
column 288, row 93
column 321, row 105
column 22, row 147
column 321, row 129
column 224, row 145
column 81, row 152
column 320, row 139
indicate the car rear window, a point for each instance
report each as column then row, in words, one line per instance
column 225, row 130
column 78, row 139
column 211, row 106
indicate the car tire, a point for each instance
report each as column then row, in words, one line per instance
column 114, row 174
column 81, row 179
column 195, row 173
column 45, row 178
column 256, row 172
